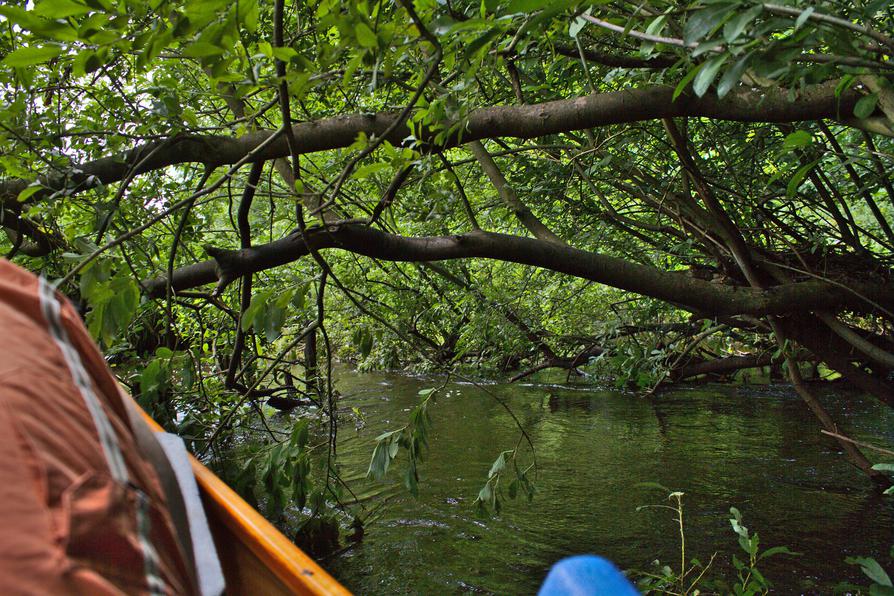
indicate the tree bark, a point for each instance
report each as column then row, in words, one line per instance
column 692, row 294
column 526, row 121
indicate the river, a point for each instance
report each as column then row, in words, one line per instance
column 755, row 447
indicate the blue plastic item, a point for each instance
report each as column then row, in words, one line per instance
column 586, row 575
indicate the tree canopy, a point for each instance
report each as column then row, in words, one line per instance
column 653, row 191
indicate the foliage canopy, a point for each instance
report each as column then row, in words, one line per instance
column 652, row 190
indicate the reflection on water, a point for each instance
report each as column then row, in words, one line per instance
column 756, row 448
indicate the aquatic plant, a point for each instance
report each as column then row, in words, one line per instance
column 692, row 577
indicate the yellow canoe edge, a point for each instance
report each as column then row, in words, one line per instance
column 255, row 556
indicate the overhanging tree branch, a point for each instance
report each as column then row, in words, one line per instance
column 678, row 288
column 526, row 121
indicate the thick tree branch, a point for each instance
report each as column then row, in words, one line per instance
column 510, row 198
column 693, row 294
column 527, row 121
column 726, row 365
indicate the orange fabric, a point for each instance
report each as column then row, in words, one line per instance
column 66, row 526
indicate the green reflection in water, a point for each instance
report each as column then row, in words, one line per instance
column 756, row 448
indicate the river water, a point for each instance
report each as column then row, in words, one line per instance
column 753, row 447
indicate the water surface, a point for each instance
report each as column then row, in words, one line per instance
column 753, row 447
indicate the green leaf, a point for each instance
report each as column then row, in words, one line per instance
column 86, row 62
column 31, row 55
column 299, row 298
column 255, row 310
column 797, row 140
column 681, row 86
column 299, row 435
column 575, row 27
column 802, row 18
column 366, row 344
column 706, row 75
column 654, row 485
column 798, row 178
column 60, row 9
column 656, row 25
column 884, row 467
column 866, row 106
column 249, row 11
column 273, row 322
column 777, row 550
column 524, row 6
column 847, row 81
column 703, row 21
column 285, row 54
column 369, row 169
column 871, row 569
column 498, row 466
column 381, row 459
column 23, row 18
column 734, row 27
column 365, row 36
column 732, row 77
column 265, row 48
column 483, row 41
column 29, row 191
column 411, row 480
column 150, row 377
column 123, row 304
column 704, row 47
column 202, row 49
column 486, row 494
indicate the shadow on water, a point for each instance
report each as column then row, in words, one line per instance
column 753, row 447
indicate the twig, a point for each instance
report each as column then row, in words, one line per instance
column 671, row 41
column 858, row 443
column 824, row 18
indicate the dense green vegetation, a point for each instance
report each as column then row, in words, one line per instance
column 236, row 193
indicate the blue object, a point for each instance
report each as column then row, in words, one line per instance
column 586, row 575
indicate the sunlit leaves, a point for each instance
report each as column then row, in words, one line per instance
column 44, row 28
column 29, row 191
